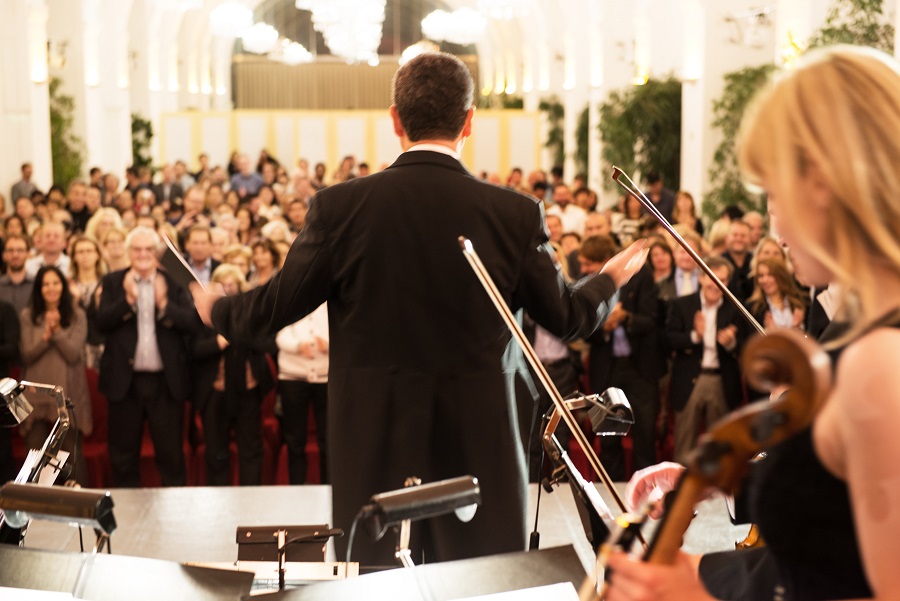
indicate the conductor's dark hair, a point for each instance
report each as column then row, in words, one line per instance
column 432, row 94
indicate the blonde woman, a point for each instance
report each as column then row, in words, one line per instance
column 776, row 301
column 822, row 143
column 114, row 252
column 769, row 248
column 105, row 219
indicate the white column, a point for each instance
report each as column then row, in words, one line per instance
column 159, row 26
column 24, row 98
column 193, row 43
column 96, row 75
column 595, row 60
column 222, row 51
column 705, row 83
column 693, row 99
column 574, row 80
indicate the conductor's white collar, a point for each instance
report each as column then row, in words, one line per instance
column 435, row 148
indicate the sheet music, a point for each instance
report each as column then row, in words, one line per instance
column 176, row 266
column 48, row 475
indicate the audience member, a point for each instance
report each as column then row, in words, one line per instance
column 113, row 248
column 240, row 255
column 14, row 226
column 52, row 243
column 769, row 248
column 296, row 215
column 626, row 222
column 659, row 195
column 229, row 384
column 23, row 188
column 15, row 284
column 707, row 335
column 198, row 247
column 776, row 301
column 105, row 219
column 84, row 283
column 572, row 216
column 685, row 278
column 661, row 260
column 625, row 353
column 54, row 331
column 76, row 203
column 266, row 260
column 738, row 253
column 144, row 370
column 303, row 383
column 246, row 225
column 685, row 212
column 554, row 227
column 757, row 223
column 245, row 182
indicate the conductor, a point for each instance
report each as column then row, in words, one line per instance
column 423, row 370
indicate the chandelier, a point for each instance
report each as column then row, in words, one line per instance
column 291, row 53
column 351, row 28
column 230, row 19
column 463, row 26
column 260, row 39
column 504, row 9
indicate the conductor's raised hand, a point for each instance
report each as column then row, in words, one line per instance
column 627, row 263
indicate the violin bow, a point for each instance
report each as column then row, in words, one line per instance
column 635, row 192
column 561, row 407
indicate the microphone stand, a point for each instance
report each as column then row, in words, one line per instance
column 282, row 543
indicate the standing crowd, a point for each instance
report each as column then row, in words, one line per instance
column 81, row 290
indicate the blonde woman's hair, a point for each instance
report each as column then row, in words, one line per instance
column 718, row 232
column 227, row 271
column 90, row 228
column 837, row 112
column 769, row 241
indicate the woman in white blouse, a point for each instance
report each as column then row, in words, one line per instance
column 303, row 381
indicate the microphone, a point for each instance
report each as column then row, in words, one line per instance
column 462, row 495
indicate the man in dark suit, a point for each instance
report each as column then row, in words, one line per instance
column 422, row 368
column 198, row 247
column 662, row 197
column 168, row 192
column 739, row 253
column 626, row 353
column 706, row 334
column 144, row 373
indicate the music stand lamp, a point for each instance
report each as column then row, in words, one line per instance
column 24, row 499
column 12, row 393
column 419, row 501
column 77, row 507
